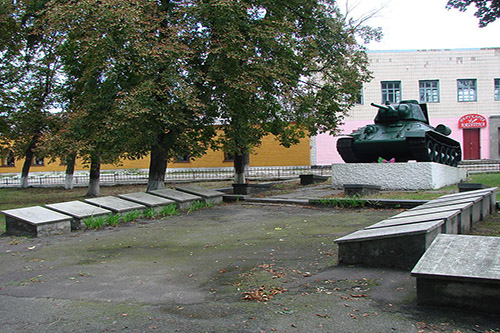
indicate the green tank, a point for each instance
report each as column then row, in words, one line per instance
column 401, row 131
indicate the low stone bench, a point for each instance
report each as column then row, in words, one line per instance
column 312, row 179
column 398, row 246
column 475, row 213
column 460, row 271
column 465, row 187
column 489, row 196
column 352, row 190
column 244, row 189
column 116, row 205
column 78, row 211
column 36, row 221
column 208, row 195
column 450, row 219
column 149, row 200
column 183, row 200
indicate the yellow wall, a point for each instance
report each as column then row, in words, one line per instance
column 270, row 153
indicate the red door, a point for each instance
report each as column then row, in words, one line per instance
column 471, row 144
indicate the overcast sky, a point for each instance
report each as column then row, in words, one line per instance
column 424, row 24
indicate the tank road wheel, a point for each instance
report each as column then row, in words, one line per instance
column 435, row 152
column 447, row 156
column 442, row 154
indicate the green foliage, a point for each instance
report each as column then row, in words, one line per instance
column 197, row 205
column 149, row 213
column 131, row 216
column 169, row 210
column 94, row 222
column 112, row 220
column 486, row 11
column 342, row 202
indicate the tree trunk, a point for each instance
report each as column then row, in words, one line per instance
column 95, row 173
column 70, row 170
column 241, row 163
column 157, row 168
column 27, row 162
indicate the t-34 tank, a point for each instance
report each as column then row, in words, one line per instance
column 401, row 131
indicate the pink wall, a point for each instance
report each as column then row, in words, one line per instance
column 326, row 145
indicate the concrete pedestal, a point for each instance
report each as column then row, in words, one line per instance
column 460, row 271
column 397, row 176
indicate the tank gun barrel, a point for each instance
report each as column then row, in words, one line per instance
column 385, row 107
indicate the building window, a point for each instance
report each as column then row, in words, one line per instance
column 429, row 91
column 391, row 91
column 360, row 99
column 467, row 90
column 228, row 157
column 7, row 159
column 497, row 89
column 183, row 159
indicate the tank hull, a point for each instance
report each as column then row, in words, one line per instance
column 406, row 139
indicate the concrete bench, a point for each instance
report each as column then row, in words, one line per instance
column 464, row 218
column 489, row 196
column 460, row 271
column 450, row 219
column 208, row 195
column 398, row 246
column 78, row 211
column 352, row 190
column 116, row 205
column 36, row 221
column 183, row 200
column 149, row 200
column 312, row 179
column 476, row 209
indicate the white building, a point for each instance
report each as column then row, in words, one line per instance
column 461, row 88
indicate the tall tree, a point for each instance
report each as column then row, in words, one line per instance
column 30, row 65
column 132, row 91
column 287, row 68
column 487, row 11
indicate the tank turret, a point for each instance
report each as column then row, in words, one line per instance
column 401, row 131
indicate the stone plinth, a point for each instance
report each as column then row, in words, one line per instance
column 251, row 188
column 352, row 190
column 36, row 221
column 464, row 217
column 398, row 246
column 397, row 176
column 208, row 195
column 450, row 218
column 183, row 200
column 460, row 271
column 148, row 200
column 116, row 205
column 78, row 211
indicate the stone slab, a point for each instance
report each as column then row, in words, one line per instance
column 208, row 195
column 36, row 221
column 449, row 226
column 489, row 194
column 182, row 199
column 460, row 271
column 148, row 200
column 352, row 190
column 397, row 176
column 464, row 218
column 78, row 211
column 476, row 209
column 116, row 205
column 398, row 246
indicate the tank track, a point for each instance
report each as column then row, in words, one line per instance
column 431, row 149
column 348, row 154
